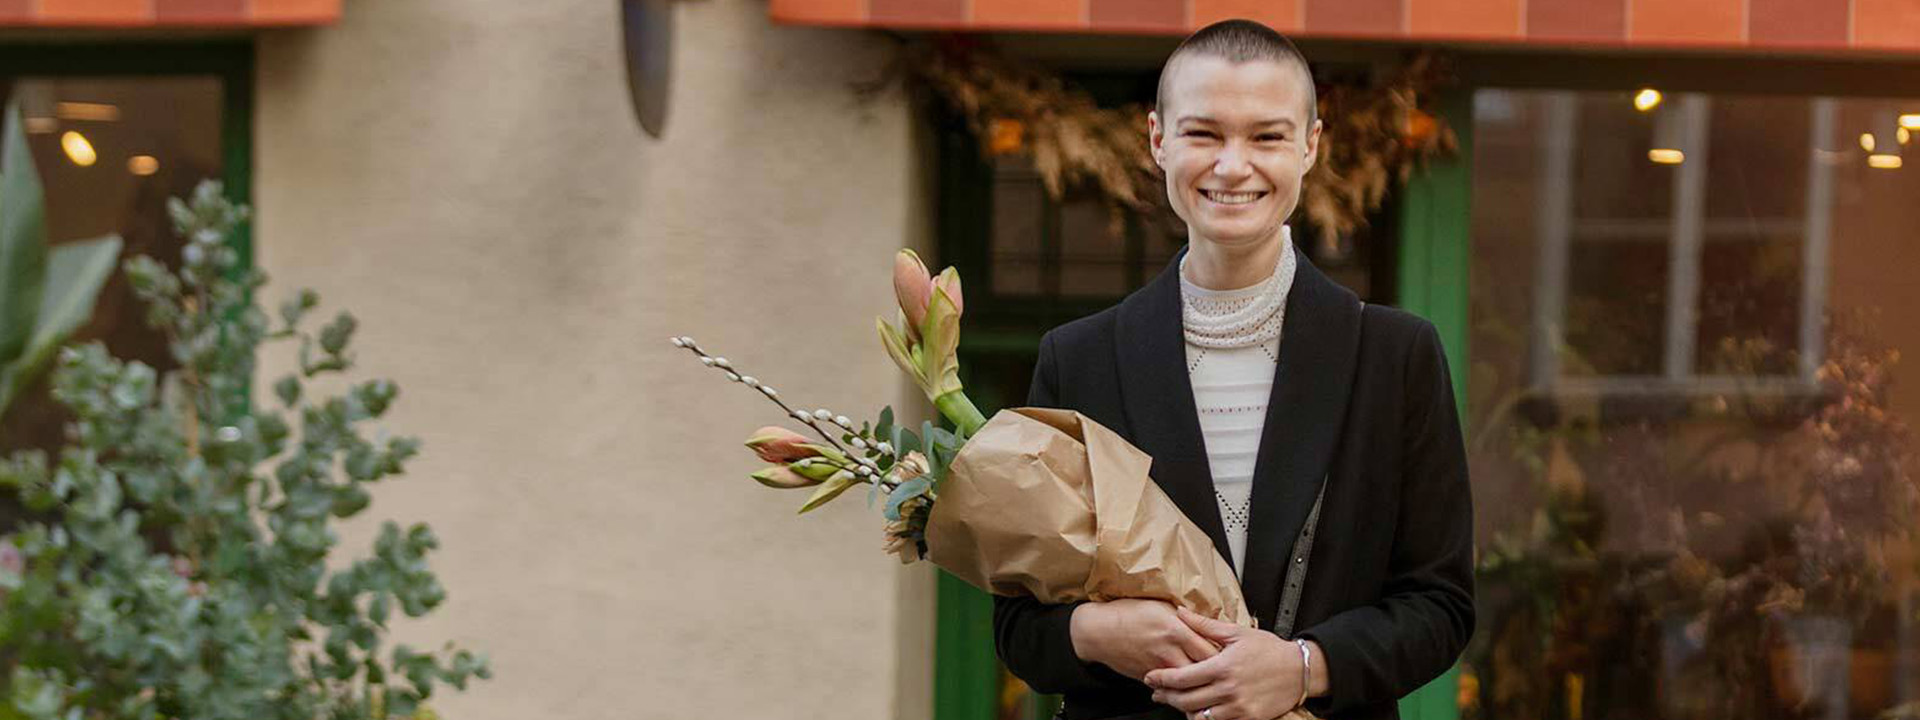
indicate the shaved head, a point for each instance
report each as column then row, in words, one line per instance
column 1239, row 41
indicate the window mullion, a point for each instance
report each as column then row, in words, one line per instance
column 1683, row 266
column 1819, row 228
column 1557, row 134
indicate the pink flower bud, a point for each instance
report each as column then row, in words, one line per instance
column 781, row 477
column 776, row 444
column 949, row 282
column 10, row 560
column 912, row 288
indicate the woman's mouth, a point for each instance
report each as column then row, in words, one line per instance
column 1232, row 198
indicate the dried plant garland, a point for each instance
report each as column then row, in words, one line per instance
column 1375, row 135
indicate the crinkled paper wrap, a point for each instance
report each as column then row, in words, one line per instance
column 1049, row 503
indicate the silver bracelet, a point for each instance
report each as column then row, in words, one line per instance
column 1306, row 671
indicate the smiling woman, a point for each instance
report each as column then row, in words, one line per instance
column 1234, row 139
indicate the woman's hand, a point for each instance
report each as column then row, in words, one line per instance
column 1256, row 676
column 1136, row 636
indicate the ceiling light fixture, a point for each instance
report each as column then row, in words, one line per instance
column 78, row 149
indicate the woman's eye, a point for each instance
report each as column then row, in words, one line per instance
column 1197, row 133
column 1270, row 137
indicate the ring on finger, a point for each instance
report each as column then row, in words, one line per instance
column 1207, row 714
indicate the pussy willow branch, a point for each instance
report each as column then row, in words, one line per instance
column 725, row 366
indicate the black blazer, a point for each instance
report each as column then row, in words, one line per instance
column 1361, row 400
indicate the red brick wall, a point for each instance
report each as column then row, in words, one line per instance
column 1876, row 25
column 166, row 13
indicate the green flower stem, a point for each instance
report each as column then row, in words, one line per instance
column 956, row 407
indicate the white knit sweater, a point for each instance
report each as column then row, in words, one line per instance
column 1231, row 363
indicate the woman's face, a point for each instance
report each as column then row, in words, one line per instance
column 1235, row 142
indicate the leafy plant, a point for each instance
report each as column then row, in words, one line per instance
column 45, row 294
column 185, row 571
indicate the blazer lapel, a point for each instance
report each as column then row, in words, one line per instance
column 1157, row 396
column 1319, row 345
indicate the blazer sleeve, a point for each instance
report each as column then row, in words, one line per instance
column 1418, row 629
column 1034, row 639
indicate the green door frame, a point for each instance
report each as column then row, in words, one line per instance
column 1436, row 242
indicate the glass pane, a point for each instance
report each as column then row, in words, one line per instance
column 1675, row 537
column 150, row 138
column 1616, row 308
column 1093, row 250
column 1019, row 211
column 1756, row 200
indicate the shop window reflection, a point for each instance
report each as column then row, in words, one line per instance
column 1689, row 433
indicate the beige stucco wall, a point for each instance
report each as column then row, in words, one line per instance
column 467, row 177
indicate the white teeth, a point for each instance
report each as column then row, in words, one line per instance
column 1231, row 198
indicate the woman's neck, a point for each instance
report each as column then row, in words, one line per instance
column 1217, row 267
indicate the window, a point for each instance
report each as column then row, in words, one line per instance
column 1689, row 422
column 1703, row 270
column 116, row 130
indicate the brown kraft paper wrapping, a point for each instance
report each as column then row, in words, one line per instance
column 1049, row 503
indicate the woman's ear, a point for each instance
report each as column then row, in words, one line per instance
column 1156, row 139
column 1313, row 147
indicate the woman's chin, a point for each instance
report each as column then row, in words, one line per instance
column 1235, row 235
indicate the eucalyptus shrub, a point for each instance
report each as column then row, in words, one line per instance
column 183, row 571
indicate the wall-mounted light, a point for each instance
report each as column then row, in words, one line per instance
column 1667, row 143
column 40, row 125
column 1883, row 144
column 1646, row 100
column 78, row 149
column 1910, row 121
column 89, row 111
column 143, row 165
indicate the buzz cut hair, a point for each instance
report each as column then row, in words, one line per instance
column 1240, row 41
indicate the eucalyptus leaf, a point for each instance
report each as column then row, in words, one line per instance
column 908, row 490
column 884, row 430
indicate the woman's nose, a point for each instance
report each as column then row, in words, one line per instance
column 1231, row 163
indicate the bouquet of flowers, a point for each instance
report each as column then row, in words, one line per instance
column 1035, row 501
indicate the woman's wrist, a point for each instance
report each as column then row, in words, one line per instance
column 1081, row 630
column 1317, row 674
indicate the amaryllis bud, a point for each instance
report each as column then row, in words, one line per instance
column 780, row 477
column 776, row 444
column 912, row 288
column 949, row 282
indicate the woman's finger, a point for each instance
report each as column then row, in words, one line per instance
column 1197, row 648
column 1189, row 677
column 1197, row 699
column 1225, row 711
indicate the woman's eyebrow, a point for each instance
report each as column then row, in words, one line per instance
column 1284, row 122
